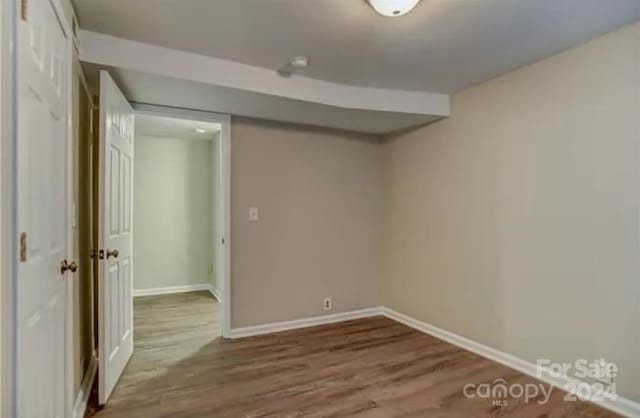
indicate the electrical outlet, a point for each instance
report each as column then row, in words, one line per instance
column 327, row 304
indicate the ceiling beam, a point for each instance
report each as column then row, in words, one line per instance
column 107, row 50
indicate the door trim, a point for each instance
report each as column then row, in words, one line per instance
column 225, row 174
column 8, row 235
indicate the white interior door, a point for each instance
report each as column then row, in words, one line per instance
column 115, row 235
column 42, row 190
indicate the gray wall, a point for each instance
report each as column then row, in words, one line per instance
column 515, row 222
column 319, row 198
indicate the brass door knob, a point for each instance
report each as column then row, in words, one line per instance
column 66, row 266
column 112, row 253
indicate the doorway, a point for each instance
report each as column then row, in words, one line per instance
column 181, row 207
column 177, row 251
column 163, row 196
column 176, row 275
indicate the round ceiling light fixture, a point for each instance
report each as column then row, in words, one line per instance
column 393, row 8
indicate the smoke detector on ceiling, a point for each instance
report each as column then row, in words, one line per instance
column 299, row 62
column 393, row 8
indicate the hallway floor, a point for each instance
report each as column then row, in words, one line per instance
column 168, row 330
column 371, row 367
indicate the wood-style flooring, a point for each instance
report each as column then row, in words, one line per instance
column 372, row 367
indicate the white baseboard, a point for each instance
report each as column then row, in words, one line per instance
column 622, row 406
column 80, row 406
column 302, row 323
column 172, row 289
column 215, row 292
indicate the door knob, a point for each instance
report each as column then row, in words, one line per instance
column 112, row 253
column 66, row 266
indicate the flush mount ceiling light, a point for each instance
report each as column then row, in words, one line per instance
column 393, row 8
column 201, row 131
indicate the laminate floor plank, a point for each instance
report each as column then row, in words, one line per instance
column 372, row 367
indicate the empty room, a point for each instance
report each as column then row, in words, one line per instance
column 322, row 208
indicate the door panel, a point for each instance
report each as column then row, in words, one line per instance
column 127, row 181
column 114, row 171
column 41, row 215
column 116, row 235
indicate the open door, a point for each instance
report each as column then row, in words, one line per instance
column 115, row 303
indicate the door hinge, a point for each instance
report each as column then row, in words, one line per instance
column 24, row 9
column 23, row 247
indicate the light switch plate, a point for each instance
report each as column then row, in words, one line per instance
column 253, row 214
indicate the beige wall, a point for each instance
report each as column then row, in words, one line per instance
column 318, row 194
column 515, row 222
column 172, row 212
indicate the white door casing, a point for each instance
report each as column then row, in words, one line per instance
column 115, row 235
column 42, row 196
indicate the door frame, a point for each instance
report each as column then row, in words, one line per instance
column 224, row 207
column 7, row 207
